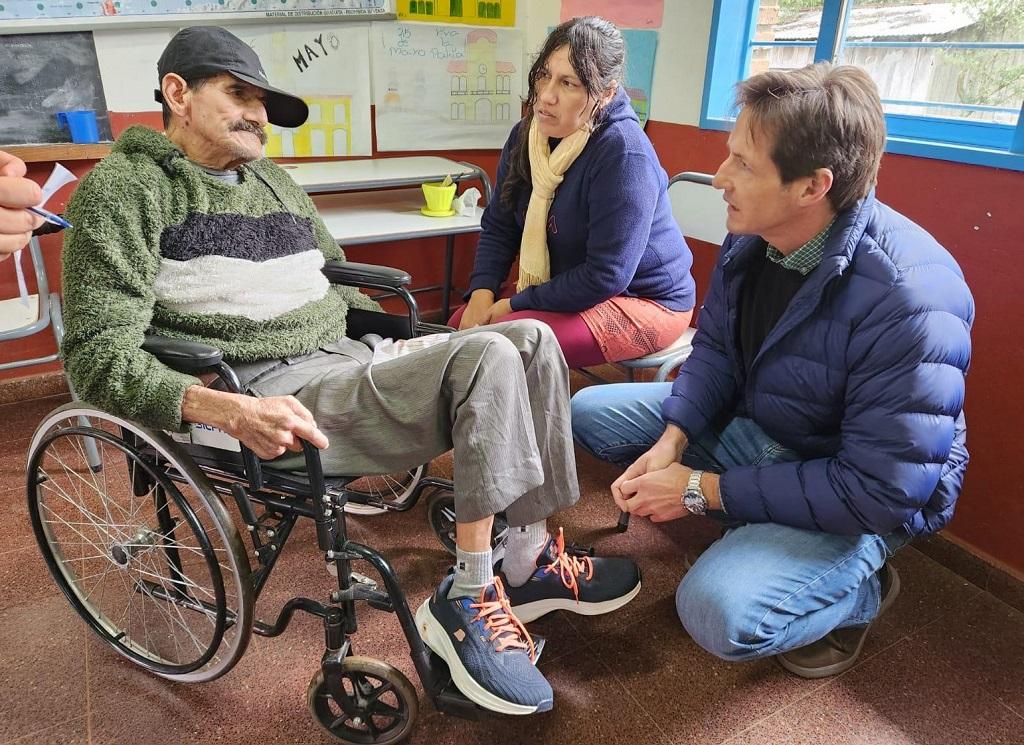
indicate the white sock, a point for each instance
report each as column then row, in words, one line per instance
column 522, row 548
column 473, row 572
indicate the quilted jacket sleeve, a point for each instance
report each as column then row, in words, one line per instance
column 706, row 385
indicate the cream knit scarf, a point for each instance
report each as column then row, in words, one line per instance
column 546, row 170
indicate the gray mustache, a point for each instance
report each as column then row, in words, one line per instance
column 247, row 127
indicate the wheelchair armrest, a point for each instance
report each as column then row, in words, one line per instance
column 355, row 274
column 183, row 356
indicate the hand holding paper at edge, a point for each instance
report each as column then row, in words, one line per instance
column 16, row 193
column 59, row 177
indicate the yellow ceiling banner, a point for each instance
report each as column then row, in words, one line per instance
column 473, row 12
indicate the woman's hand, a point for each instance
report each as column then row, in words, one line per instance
column 500, row 309
column 477, row 309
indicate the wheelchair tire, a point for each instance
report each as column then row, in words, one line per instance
column 394, row 488
column 144, row 550
column 441, row 514
column 380, row 704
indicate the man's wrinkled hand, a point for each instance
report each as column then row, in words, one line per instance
column 270, row 426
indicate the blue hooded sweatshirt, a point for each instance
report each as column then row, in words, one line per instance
column 610, row 227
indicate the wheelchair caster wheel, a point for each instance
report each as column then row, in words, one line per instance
column 441, row 513
column 372, row 703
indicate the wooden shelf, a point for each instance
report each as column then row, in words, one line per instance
column 59, row 151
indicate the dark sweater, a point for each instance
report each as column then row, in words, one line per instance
column 767, row 290
column 610, row 228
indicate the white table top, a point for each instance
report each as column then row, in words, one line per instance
column 373, row 217
column 374, row 173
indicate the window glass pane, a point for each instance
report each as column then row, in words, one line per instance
column 784, row 34
column 958, row 60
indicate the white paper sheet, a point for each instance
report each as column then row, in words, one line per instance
column 327, row 65
column 445, row 87
column 59, row 176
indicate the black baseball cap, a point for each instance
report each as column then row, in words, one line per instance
column 205, row 51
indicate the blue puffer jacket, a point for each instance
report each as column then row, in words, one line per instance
column 863, row 375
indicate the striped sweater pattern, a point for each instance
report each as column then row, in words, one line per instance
column 159, row 246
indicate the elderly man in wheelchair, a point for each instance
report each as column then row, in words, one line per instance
column 189, row 252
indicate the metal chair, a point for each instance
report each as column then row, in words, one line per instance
column 18, row 320
column 700, row 213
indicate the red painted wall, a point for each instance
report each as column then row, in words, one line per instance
column 976, row 213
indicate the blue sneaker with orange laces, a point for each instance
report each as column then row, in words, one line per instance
column 584, row 585
column 489, row 652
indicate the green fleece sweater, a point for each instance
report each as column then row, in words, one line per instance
column 160, row 246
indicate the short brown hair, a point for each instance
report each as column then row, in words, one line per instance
column 820, row 116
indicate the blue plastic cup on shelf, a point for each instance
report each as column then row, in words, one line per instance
column 82, row 124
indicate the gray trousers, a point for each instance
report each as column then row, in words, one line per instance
column 498, row 396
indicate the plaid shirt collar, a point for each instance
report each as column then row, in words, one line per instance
column 805, row 258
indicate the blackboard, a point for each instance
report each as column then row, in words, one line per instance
column 41, row 74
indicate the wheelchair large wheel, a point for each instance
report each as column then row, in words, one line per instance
column 441, row 514
column 144, row 550
column 393, row 488
column 375, row 703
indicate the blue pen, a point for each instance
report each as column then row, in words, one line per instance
column 50, row 217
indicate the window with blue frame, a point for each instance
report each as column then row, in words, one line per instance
column 951, row 74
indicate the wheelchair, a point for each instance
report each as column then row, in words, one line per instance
column 164, row 547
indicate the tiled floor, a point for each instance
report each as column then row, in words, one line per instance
column 946, row 665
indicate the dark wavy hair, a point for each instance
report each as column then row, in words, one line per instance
column 597, row 54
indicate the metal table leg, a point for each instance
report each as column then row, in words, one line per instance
column 449, row 257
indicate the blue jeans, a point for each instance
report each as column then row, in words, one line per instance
column 762, row 588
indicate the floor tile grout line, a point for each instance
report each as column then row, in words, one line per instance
column 953, row 671
column 825, row 682
column 822, row 685
column 1008, row 706
column 665, row 735
column 22, row 738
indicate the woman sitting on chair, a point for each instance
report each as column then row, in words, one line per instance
column 583, row 201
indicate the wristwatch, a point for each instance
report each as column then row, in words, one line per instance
column 693, row 498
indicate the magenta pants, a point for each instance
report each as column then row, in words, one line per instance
column 578, row 345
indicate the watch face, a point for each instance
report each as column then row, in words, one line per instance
column 695, row 503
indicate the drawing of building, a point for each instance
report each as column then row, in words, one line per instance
column 327, row 131
column 638, row 98
column 481, row 86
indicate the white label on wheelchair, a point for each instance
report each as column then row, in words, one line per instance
column 211, row 437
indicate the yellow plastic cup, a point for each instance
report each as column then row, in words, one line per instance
column 439, row 196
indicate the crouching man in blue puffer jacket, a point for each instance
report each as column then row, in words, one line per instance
column 820, row 414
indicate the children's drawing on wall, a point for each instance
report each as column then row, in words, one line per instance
column 326, row 65
column 444, row 87
column 640, row 50
column 473, row 12
column 632, row 14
